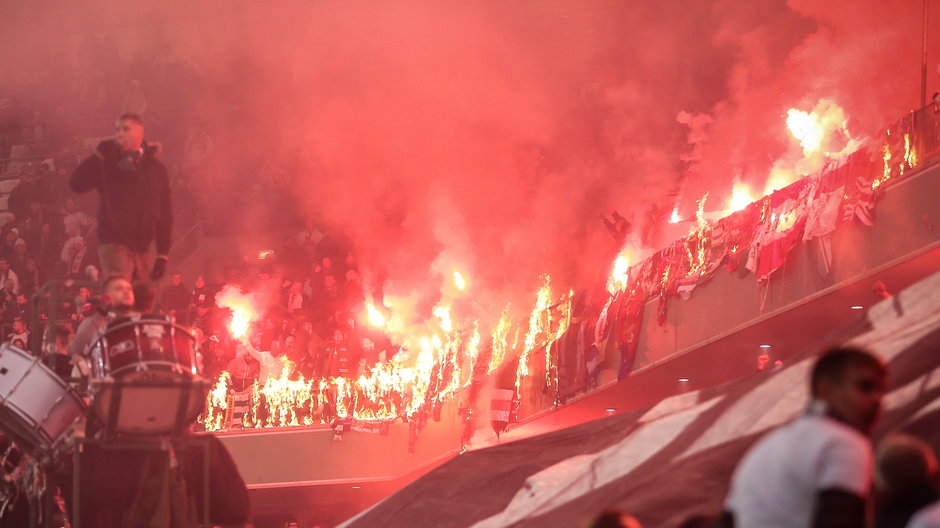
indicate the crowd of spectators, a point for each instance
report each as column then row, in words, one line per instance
column 45, row 235
column 51, row 115
column 314, row 299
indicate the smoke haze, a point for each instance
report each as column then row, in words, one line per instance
column 485, row 137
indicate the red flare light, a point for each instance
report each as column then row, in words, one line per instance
column 374, row 316
column 242, row 306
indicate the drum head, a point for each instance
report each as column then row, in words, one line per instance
column 149, row 407
column 37, row 408
column 147, row 381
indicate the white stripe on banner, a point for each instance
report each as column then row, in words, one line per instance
column 575, row 476
column 898, row 323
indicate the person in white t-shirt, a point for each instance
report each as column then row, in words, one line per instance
column 816, row 470
column 928, row 517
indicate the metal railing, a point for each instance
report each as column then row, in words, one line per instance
column 43, row 332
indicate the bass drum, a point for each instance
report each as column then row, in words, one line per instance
column 146, row 378
column 38, row 410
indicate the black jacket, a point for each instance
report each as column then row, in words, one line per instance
column 134, row 205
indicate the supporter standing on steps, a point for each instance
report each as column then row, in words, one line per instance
column 134, row 202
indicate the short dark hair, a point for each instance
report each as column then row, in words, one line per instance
column 131, row 117
column 904, row 463
column 834, row 362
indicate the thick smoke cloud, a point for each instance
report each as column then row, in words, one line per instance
column 491, row 137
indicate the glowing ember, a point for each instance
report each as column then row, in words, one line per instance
column 459, row 281
column 242, row 306
column 374, row 316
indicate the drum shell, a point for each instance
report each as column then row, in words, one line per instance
column 37, row 408
column 145, row 378
column 145, row 344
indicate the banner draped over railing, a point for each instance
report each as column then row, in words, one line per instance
column 570, row 336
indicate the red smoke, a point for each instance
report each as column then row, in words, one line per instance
column 492, row 136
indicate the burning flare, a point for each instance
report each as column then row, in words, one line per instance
column 459, row 281
column 674, row 218
column 244, row 307
column 374, row 316
column 807, row 128
column 620, row 275
column 741, row 197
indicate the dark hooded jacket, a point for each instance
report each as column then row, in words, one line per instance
column 134, row 197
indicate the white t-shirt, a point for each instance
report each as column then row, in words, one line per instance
column 777, row 481
column 926, row 517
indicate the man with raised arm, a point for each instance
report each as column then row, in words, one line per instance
column 134, row 202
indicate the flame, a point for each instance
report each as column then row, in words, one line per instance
column 443, row 315
column 700, row 220
column 242, row 306
column 778, row 179
column 807, row 128
column 217, row 404
column 824, row 137
column 674, row 218
column 551, row 365
column 374, row 316
column 538, row 321
column 910, row 155
column 284, row 396
column 886, row 172
column 619, row 277
column 473, row 346
column 741, row 197
column 500, row 336
column 459, row 281
column 435, row 364
column 823, row 133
